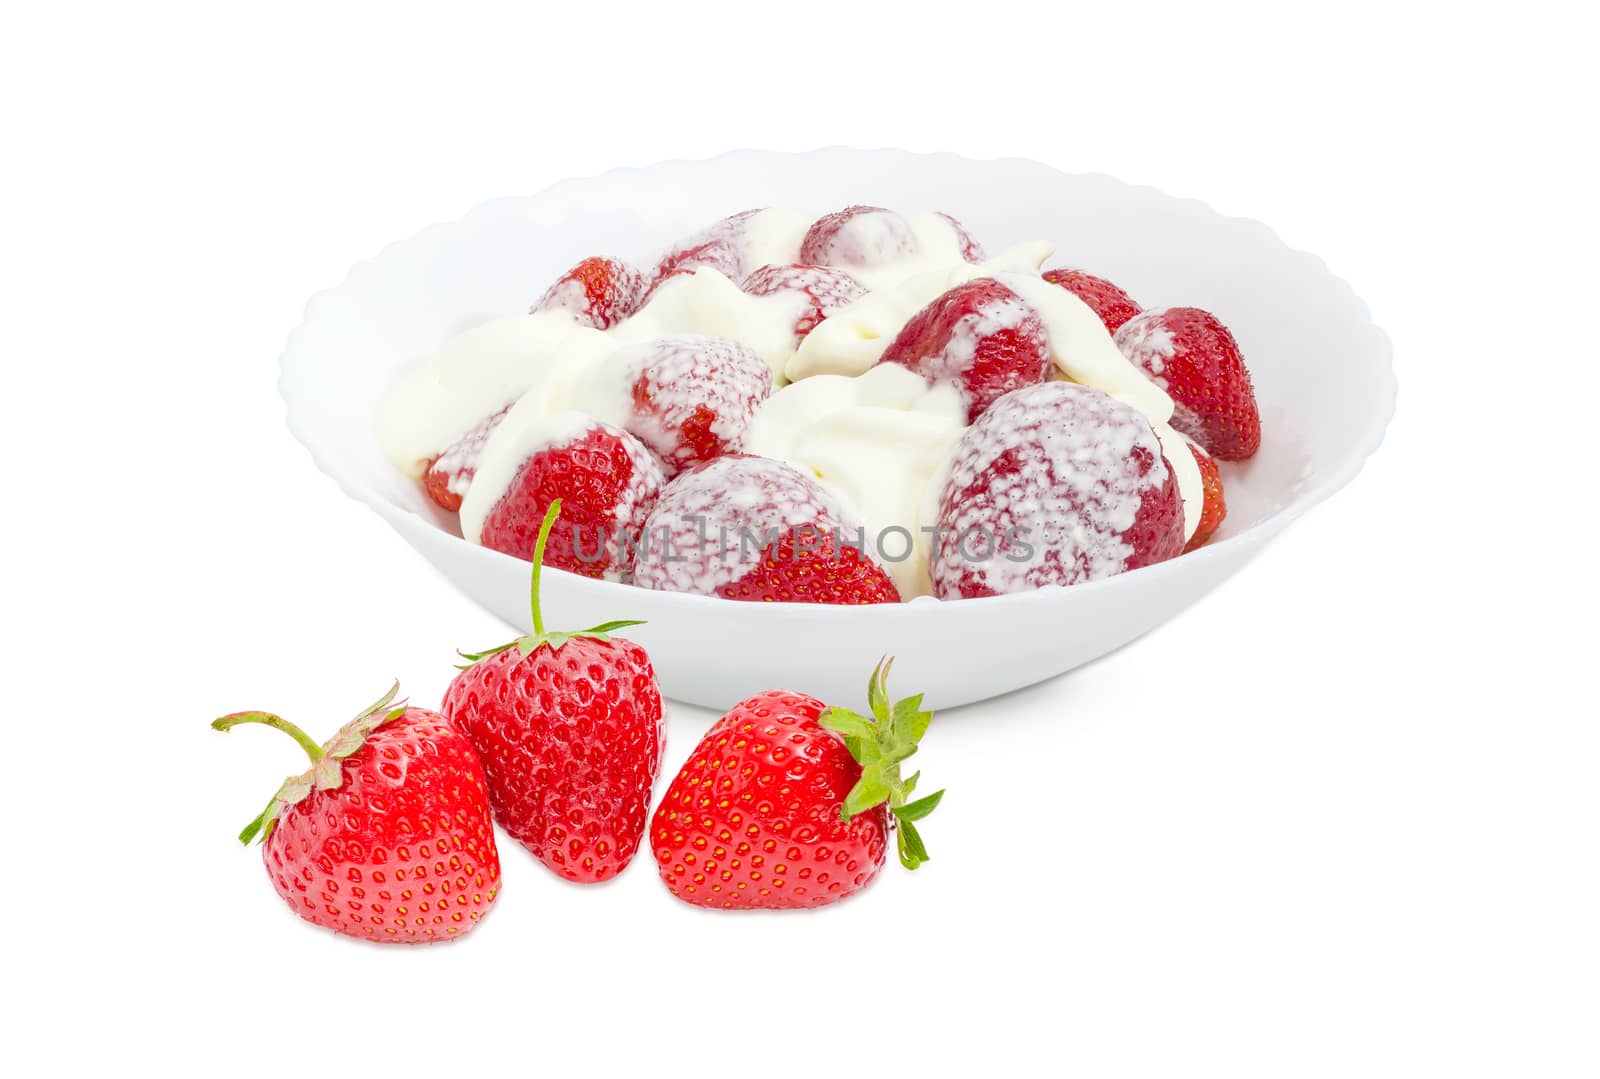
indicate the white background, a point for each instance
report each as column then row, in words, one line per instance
column 1340, row 818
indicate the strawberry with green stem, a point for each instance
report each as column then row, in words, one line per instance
column 786, row 803
column 569, row 725
column 387, row 835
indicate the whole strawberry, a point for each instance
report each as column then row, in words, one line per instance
column 1114, row 306
column 569, row 727
column 387, row 836
column 786, row 803
column 607, row 478
column 597, row 292
column 779, row 538
column 1101, row 497
column 449, row 475
column 1190, row 354
column 980, row 337
column 1215, row 507
column 823, row 289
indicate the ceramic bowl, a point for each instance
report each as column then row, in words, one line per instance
column 1322, row 374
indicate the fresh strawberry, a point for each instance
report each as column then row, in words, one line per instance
column 971, row 249
column 1215, row 509
column 858, row 236
column 753, row 528
column 980, row 337
column 1191, row 355
column 1099, row 496
column 606, row 478
column 811, row 565
column 599, row 292
column 449, row 475
column 693, row 398
column 387, row 836
column 825, row 289
column 569, row 726
column 1113, row 305
column 786, row 803
column 717, row 247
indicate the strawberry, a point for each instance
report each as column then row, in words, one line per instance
column 1192, row 356
column 719, row 247
column 606, row 477
column 1056, row 484
column 569, row 726
column 1113, row 305
column 599, row 292
column 980, row 337
column 387, row 836
column 449, row 475
column 753, row 528
column 971, row 249
column 858, row 236
column 786, row 803
column 693, row 398
column 1215, row 509
column 824, row 288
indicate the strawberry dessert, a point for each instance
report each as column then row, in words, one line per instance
column 860, row 407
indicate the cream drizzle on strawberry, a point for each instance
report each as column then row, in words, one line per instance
column 545, row 362
column 707, row 530
column 518, row 438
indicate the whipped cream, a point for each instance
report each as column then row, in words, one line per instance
column 566, row 365
column 878, row 438
column 879, row 443
column 854, row 338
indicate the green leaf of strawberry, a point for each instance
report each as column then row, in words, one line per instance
column 879, row 743
column 918, row 809
column 325, row 773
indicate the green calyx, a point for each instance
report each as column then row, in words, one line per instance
column 541, row 636
column 879, row 743
column 325, row 773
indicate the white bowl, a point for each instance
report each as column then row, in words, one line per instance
column 1321, row 369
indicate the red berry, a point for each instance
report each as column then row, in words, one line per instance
column 694, row 398
column 607, row 480
column 1192, row 356
column 1215, row 508
column 388, row 836
column 752, row 821
column 449, row 475
column 1113, row 305
column 572, row 738
column 756, row 529
column 825, row 289
column 599, row 292
column 810, row 565
column 774, row 811
column 1056, row 484
column 971, row 249
column 569, row 727
column 858, row 236
column 980, row 337
column 717, row 247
